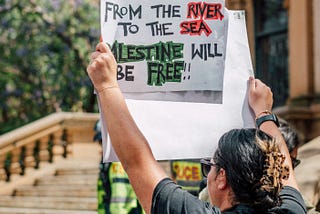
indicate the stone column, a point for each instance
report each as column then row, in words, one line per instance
column 300, row 52
column 316, row 40
column 316, row 51
column 304, row 73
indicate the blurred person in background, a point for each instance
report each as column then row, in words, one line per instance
column 115, row 193
column 187, row 174
column 293, row 142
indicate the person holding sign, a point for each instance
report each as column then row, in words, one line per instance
column 250, row 172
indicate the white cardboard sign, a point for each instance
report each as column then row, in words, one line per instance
column 176, row 45
column 183, row 130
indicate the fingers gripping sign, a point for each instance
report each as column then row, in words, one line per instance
column 260, row 96
column 102, row 69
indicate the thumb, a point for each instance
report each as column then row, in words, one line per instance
column 102, row 48
column 252, row 83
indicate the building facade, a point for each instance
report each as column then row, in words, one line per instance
column 284, row 38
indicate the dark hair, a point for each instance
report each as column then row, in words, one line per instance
column 289, row 134
column 242, row 158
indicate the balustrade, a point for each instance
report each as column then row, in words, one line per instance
column 41, row 141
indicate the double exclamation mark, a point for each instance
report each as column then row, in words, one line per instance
column 186, row 71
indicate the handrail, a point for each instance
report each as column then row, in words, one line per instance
column 28, row 145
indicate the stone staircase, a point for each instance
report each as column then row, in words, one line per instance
column 67, row 186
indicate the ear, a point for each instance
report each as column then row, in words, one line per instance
column 221, row 179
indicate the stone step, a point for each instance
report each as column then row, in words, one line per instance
column 11, row 210
column 67, row 186
column 68, row 179
column 62, row 203
column 78, row 171
column 56, row 191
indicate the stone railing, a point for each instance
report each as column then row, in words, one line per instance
column 42, row 140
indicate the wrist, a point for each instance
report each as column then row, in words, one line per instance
column 262, row 113
column 265, row 116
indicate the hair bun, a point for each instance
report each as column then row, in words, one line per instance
column 274, row 171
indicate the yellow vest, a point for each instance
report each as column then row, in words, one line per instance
column 123, row 198
column 187, row 174
column 101, row 194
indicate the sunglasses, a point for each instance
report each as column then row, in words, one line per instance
column 295, row 162
column 206, row 165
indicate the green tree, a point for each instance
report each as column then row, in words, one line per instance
column 44, row 49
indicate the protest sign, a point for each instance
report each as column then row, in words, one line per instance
column 165, row 46
column 184, row 130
